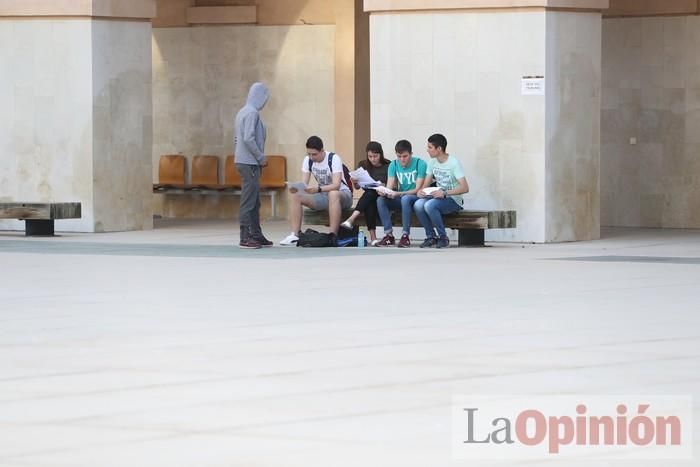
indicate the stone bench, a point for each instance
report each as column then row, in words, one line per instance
column 470, row 224
column 39, row 217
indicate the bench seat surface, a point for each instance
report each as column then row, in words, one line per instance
column 40, row 211
column 459, row 220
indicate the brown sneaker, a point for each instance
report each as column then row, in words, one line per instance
column 249, row 244
column 264, row 242
column 404, row 242
column 388, row 240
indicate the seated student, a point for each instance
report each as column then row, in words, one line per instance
column 376, row 165
column 331, row 193
column 449, row 176
column 410, row 173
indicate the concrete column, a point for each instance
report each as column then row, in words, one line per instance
column 458, row 67
column 77, row 82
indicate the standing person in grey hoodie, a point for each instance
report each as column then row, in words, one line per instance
column 250, row 134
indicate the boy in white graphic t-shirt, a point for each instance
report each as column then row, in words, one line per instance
column 329, row 194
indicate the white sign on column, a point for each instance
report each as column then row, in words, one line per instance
column 532, row 86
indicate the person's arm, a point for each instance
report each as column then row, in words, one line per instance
column 458, row 174
column 335, row 185
column 391, row 183
column 460, row 190
column 249, row 133
column 306, row 175
column 419, row 186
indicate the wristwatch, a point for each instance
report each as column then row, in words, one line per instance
column 319, row 189
column 444, row 192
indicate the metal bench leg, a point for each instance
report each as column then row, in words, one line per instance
column 471, row 237
column 273, row 204
column 38, row 228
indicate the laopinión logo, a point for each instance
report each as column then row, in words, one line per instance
column 602, row 427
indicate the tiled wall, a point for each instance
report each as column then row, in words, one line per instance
column 459, row 73
column 651, row 92
column 122, row 120
column 573, row 126
column 76, row 119
column 46, row 116
column 201, row 79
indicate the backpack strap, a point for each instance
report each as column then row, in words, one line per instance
column 342, row 172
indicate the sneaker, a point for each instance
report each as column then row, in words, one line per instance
column 374, row 242
column 388, row 240
column 249, row 244
column 404, row 242
column 263, row 241
column 443, row 242
column 347, row 225
column 428, row 242
column 290, row 240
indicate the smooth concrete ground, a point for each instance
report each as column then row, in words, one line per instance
column 173, row 348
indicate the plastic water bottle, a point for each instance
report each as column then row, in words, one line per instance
column 360, row 239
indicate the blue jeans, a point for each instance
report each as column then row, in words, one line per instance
column 430, row 211
column 386, row 205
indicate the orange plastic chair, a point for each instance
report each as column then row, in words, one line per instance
column 171, row 172
column 275, row 174
column 205, row 172
column 232, row 178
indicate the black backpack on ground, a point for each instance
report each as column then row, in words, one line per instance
column 313, row 239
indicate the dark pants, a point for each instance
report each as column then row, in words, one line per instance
column 250, row 201
column 367, row 204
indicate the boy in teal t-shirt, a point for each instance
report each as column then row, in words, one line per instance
column 446, row 175
column 451, row 183
column 406, row 175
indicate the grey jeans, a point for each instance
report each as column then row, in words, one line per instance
column 250, row 201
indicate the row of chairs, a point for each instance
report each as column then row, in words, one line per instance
column 206, row 177
column 205, row 173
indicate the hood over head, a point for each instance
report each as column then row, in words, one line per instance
column 258, row 95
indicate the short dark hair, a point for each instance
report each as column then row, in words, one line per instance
column 314, row 142
column 403, row 146
column 438, row 141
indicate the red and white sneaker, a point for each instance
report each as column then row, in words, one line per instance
column 388, row 240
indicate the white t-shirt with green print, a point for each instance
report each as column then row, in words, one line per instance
column 446, row 175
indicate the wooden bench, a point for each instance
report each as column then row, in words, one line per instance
column 471, row 225
column 205, row 177
column 39, row 217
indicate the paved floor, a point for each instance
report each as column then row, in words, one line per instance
column 172, row 348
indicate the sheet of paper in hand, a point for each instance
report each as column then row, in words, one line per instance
column 382, row 189
column 293, row 187
column 364, row 179
column 428, row 191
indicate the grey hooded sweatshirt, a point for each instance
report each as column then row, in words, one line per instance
column 250, row 132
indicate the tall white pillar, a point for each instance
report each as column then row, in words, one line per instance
column 77, row 82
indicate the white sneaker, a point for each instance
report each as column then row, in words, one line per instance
column 290, row 240
column 347, row 225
